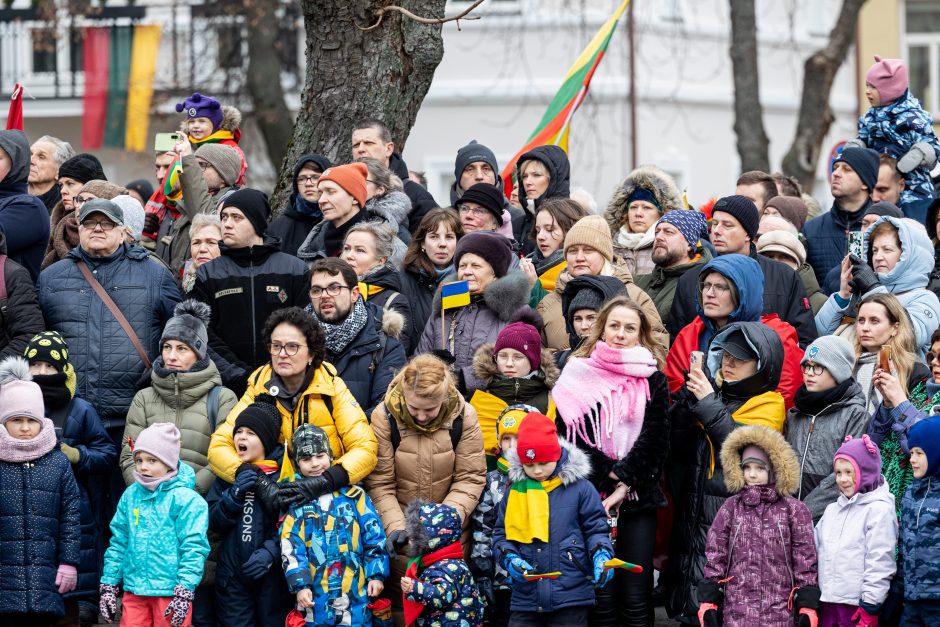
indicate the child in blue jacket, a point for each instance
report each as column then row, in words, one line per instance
column 250, row 590
column 551, row 520
column 333, row 548
column 158, row 536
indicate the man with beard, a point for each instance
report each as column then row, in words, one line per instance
column 676, row 250
column 361, row 340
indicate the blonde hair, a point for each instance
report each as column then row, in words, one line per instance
column 425, row 376
column 903, row 344
column 646, row 330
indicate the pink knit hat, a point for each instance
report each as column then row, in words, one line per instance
column 865, row 459
column 21, row 398
column 754, row 453
column 162, row 440
column 889, row 77
column 524, row 338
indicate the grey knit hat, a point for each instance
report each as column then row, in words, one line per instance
column 133, row 214
column 224, row 159
column 834, row 353
column 309, row 440
column 188, row 325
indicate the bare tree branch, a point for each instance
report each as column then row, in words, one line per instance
column 380, row 14
column 752, row 141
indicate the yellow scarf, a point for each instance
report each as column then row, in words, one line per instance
column 548, row 278
column 527, row 510
column 367, row 290
column 219, row 135
column 767, row 409
column 489, row 407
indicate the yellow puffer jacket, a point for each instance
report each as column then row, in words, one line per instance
column 352, row 439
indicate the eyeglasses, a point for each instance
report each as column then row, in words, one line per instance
column 90, row 224
column 203, row 165
column 718, row 288
column 331, row 290
column 932, row 357
column 477, row 211
column 81, row 200
column 313, row 178
column 291, row 348
column 813, row 369
column 503, row 358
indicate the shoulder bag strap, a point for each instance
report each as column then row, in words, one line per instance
column 112, row 307
column 3, row 277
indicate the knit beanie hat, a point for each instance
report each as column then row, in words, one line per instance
column 692, row 224
column 641, row 193
column 51, row 347
column 538, row 441
column 162, row 440
column 103, row 189
column 19, row 395
column 586, row 298
column 889, row 77
column 264, row 419
column 742, row 209
column 487, row 196
column 492, row 247
column 224, row 159
column 188, row 325
column 591, row 231
column 754, row 453
column 791, row 208
column 783, row 242
column 834, row 353
column 82, row 167
column 133, row 214
column 510, row 419
column 864, row 161
column 199, row 106
column 523, row 337
column 926, row 436
column 142, row 187
column 351, row 177
column 254, row 204
column 884, row 208
column 472, row 153
column 865, row 459
column 309, row 440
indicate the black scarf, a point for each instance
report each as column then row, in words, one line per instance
column 811, row 403
column 333, row 237
column 54, row 392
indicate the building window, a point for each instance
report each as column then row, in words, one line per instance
column 922, row 23
column 44, row 50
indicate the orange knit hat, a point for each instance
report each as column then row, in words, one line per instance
column 351, row 177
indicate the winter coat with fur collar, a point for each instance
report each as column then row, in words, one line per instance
column 532, row 390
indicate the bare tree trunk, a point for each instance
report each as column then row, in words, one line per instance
column 752, row 139
column 351, row 75
column 264, row 78
column 815, row 114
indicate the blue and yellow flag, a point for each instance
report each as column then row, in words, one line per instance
column 456, row 294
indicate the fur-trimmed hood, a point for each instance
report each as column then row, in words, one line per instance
column 504, row 295
column 649, row 177
column 393, row 323
column 393, row 207
column 781, row 455
column 484, row 365
column 573, row 465
column 231, row 120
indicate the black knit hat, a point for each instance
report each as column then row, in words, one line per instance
column 884, row 208
column 865, row 162
column 309, row 440
column 264, row 419
column 82, row 167
column 254, row 204
column 472, row 153
column 491, row 247
column 487, row 196
column 142, row 187
column 742, row 209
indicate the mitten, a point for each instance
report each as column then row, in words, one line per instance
column 179, row 606
column 921, row 154
column 863, row 279
column 258, row 563
column 855, row 142
column 151, row 225
column 395, row 541
column 66, row 577
column 245, row 479
column 107, row 603
column 864, row 619
column 602, row 575
column 708, row 615
column 516, row 567
column 71, row 452
column 805, row 604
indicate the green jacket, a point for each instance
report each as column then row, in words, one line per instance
column 180, row 398
column 661, row 283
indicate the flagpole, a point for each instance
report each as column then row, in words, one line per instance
column 443, row 339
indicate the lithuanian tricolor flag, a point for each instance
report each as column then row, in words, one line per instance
column 119, row 64
column 556, row 122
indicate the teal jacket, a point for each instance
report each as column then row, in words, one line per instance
column 158, row 538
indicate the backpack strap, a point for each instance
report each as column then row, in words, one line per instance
column 212, row 406
column 456, row 430
column 3, row 277
column 394, row 433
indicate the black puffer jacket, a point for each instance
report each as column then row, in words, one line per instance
column 559, row 171
column 390, row 297
column 699, row 429
column 20, row 316
column 418, row 290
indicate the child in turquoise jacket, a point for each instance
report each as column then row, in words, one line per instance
column 158, row 544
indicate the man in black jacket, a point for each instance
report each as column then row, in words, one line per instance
column 247, row 283
column 734, row 229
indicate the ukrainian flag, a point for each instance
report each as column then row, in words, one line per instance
column 456, row 294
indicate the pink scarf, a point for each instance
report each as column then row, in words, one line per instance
column 19, row 451
column 615, row 381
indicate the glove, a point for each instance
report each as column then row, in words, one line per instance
column 708, row 615
column 245, row 479
column 258, row 564
column 71, row 452
column 66, row 577
column 107, row 603
column 312, row 488
column 602, row 576
column 863, row 278
column 864, row 619
column 151, row 224
column 855, row 142
column 805, row 604
column 516, row 567
column 395, row 541
column 269, row 493
column 921, row 154
column 446, row 356
column 179, row 606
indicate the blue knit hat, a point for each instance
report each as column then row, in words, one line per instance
column 199, row 106
column 692, row 224
column 926, row 435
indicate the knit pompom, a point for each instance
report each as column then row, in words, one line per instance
column 195, row 308
column 528, row 316
column 14, row 369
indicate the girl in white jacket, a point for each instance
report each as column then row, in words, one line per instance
column 856, row 539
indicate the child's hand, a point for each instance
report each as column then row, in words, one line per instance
column 305, row 598
column 407, row 584
column 183, row 147
column 612, row 502
column 375, row 588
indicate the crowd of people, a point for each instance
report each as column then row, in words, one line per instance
column 365, row 408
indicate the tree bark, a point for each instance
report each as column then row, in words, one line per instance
column 752, row 141
column 352, row 75
column 816, row 116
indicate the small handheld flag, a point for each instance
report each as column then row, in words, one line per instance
column 619, row 563
column 536, row 576
column 456, row 294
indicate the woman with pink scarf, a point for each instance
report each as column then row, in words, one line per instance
column 611, row 399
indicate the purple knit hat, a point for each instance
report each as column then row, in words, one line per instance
column 889, row 77
column 199, row 106
column 865, row 459
column 754, row 453
column 162, row 440
column 524, row 338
